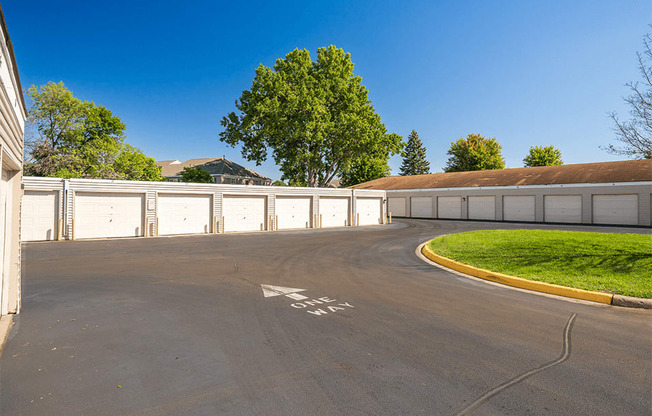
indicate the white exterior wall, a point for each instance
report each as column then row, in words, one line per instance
column 12, row 130
column 222, row 217
column 642, row 211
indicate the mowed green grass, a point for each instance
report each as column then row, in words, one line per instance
column 616, row 263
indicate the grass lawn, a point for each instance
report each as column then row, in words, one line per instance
column 616, row 263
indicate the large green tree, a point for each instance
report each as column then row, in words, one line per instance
column 543, row 156
column 474, row 153
column 635, row 135
column 78, row 139
column 414, row 157
column 314, row 116
column 365, row 169
column 132, row 164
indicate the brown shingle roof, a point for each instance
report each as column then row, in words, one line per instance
column 213, row 165
column 603, row 172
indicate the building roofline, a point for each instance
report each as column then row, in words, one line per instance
column 597, row 172
column 10, row 47
column 215, row 166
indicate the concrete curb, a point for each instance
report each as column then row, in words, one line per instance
column 5, row 326
column 631, row 302
column 600, row 297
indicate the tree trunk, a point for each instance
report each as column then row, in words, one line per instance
column 311, row 178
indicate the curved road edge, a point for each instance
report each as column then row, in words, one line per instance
column 549, row 288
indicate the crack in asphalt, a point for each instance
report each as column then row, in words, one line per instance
column 566, row 350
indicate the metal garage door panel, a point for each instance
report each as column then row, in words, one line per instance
column 562, row 208
column 244, row 213
column 293, row 212
column 184, row 214
column 39, row 220
column 99, row 214
column 449, row 207
column 369, row 211
column 482, row 208
column 615, row 209
column 518, row 208
column 334, row 212
column 396, row 206
column 421, row 207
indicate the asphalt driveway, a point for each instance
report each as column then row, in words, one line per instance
column 181, row 326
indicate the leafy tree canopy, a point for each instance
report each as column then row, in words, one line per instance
column 365, row 169
column 131, row 163
column 414, row 157
column 314, row 116
column 78, row 139
column 196, row 175
column 635, row 134
column 279, row 183
column 474, row 153
column 543, row 156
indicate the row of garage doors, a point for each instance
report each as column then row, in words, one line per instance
column 606, row 209
column 102, row 214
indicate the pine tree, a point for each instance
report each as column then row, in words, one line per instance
column 414, row 157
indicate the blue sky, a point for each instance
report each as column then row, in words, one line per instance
column 525, row 72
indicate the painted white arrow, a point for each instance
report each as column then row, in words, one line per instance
column 291, row 292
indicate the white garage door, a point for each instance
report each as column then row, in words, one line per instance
column 244, row 213
column 421, row 207
column 449, row 207
column 562, row 208
column 396, row 206
column 615, row 209
column 184, row 214
column 39, row 220
column 100, row 214
column 518, row 208
column 482, row 208
column 369, row 211
column 293, row 212
column 334, row 212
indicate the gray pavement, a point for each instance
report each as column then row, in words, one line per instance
column 180, row 326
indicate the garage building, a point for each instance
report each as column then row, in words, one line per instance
column 610, row 193
column 12, row 130
column 77, row 209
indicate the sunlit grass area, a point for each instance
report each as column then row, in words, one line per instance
column 617, row 263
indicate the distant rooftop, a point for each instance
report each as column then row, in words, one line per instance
column 212, row 165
